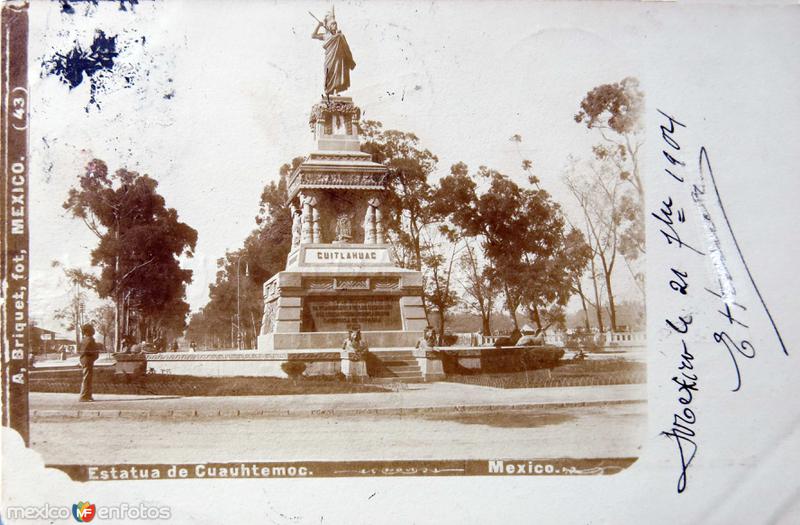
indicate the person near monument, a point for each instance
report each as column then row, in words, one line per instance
column 127, row 344
column 338, row 58
column 89, row 351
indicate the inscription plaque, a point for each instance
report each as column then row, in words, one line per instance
column 336, row 314
column 347, row 255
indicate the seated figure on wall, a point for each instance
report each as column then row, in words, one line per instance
column 531, row 340
column 428, row 340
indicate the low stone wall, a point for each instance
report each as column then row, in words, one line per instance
column 241, row 363
column 279, row 342
column 430, row 363
column 466, row 360
column 434, row 363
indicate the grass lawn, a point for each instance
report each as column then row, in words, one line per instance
column 583, row 373
column 175, row 385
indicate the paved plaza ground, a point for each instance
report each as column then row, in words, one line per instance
column 422, row 421
column 409, row 398
column 581, row 432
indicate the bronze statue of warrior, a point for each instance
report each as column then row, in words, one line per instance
column 338, row 58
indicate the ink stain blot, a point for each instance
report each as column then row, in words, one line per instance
column 67, row 6
column 71, row 66
column 79, row 63
column 100, row 66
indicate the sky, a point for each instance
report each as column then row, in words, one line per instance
column 211, row 102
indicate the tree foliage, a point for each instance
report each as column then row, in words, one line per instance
column 72, row 315
column 480, row 291
column 235, row 298
column 440, row 249
column 140, row 241
column 616, row 106
column 615, row 111
column 407, row 205
column 521, row 231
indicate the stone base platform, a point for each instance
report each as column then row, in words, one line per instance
column 319, row 362
column 230, row 363
column 329, row 288
column 331, row 341
column 391, row 363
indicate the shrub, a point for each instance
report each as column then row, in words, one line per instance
column 503, row 361
column 294, row 369
column 449, row 339
column 547, row 357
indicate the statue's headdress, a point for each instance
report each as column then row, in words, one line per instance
column 330, row 16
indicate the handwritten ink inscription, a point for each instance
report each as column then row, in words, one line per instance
column 733, row 336
column 671, row 219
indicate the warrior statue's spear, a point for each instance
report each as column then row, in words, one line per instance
column 321, row 22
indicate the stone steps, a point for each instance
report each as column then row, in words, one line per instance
column 404, row 368
column 399, row 366
column 416, row 374
column 390, row 380
column 396, row 363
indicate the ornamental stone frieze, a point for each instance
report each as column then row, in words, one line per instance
column 328, row 112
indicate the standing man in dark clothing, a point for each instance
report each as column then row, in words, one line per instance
column 89, row 352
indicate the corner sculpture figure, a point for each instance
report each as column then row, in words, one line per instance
column 297, row 227
column 338, row 58
column 354, row 343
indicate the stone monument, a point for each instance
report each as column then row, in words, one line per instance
column 340, row 272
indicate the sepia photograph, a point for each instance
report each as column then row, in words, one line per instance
column 387, row 242
column 347, row 244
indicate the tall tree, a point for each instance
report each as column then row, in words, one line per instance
column 140, row 241
column 407, row 202
column 551, row 280
column 235, row 298
column 103, row 318
column 438, row 258
column 599, row 193
column 480, row 292
column 521, row 232
column 615, row 111
column 73, row 315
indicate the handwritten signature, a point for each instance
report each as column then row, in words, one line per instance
column 736, row 347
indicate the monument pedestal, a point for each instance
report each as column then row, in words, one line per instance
column 340, row 273
column 333, row 288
